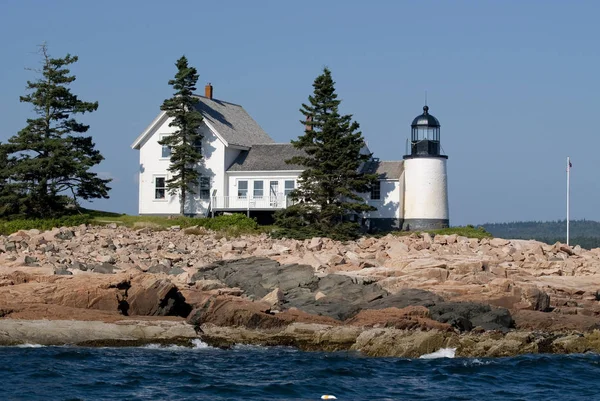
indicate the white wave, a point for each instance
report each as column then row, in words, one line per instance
column 28, row 345
column 196, row 344
column 441, row 353
column 199, row 344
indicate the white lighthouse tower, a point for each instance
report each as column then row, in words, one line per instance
column 425, row 179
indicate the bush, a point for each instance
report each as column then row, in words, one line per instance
column 224, row 222
column 12, row 226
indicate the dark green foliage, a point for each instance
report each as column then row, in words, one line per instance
column 49, row 159
column 12, row 226
column 585, row 233
column 185, row 156
column 8, row 200
column 328, row 186
column 237, row 220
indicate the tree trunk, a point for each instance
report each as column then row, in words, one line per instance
column 182, row 202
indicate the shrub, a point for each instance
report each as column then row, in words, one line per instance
column 228, row 222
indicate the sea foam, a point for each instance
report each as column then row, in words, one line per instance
column 441, row 353
column 196, row 344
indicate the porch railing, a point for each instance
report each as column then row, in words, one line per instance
column 220, row 203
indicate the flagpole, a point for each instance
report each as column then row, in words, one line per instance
column 568, row 193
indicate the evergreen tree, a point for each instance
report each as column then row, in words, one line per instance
column 185, row 141
column 5, row 203
column 49, row 160
column 331, row 179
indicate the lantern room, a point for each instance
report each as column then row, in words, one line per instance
column 425, row 136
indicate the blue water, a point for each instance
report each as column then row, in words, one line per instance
column 254, row 373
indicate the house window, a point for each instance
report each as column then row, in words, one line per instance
column 242, row 189
column 289, row 187
column 160, row 188
column 204, row 188
column 376, row 191
column 258, row 189
column 166, row 150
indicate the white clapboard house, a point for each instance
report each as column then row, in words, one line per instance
column 244, row 170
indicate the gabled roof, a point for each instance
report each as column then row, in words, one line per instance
column 267, row 157
column 385, row 170
column 230, row 121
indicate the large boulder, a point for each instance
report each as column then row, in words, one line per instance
column 401, row 343
column 467, row 315
column 236, row 312
column 258, row 276
column 338, row 297
column 150, row 296
column 407, row 297
column 409, row 318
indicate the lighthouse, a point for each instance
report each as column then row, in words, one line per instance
column 425, row 178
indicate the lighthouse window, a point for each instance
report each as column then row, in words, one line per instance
column 376, row 191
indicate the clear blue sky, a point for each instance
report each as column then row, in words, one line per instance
column 514, row 83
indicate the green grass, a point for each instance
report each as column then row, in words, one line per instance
column 233, row 225
column 228, row 225
column 466, row 231
column 8, row 227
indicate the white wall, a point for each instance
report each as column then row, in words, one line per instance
column 390, row 204
column 152, row 165
column 230, row 155
column 426, row 188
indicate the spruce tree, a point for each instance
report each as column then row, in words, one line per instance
column 185, row 141
column 49, row 161
column 329, row 185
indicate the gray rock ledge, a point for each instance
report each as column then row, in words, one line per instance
column 93, row 333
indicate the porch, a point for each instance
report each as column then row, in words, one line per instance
column 248, row 203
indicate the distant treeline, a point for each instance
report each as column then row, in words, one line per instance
column 585, row 233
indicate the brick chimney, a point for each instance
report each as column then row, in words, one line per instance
column 208, row 91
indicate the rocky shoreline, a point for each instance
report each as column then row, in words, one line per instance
column 401, row 296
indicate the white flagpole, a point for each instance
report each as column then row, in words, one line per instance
column 568, row 194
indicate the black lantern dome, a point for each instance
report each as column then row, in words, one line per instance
column 425, row 136
column 425, row 119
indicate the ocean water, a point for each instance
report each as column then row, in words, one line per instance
column 255, row 373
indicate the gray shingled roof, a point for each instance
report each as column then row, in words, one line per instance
column 267, row 157
column 386, row 170
column 232, row 122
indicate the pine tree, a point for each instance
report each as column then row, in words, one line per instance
column 329, row 185
column 49, row 161
column 185, row 141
